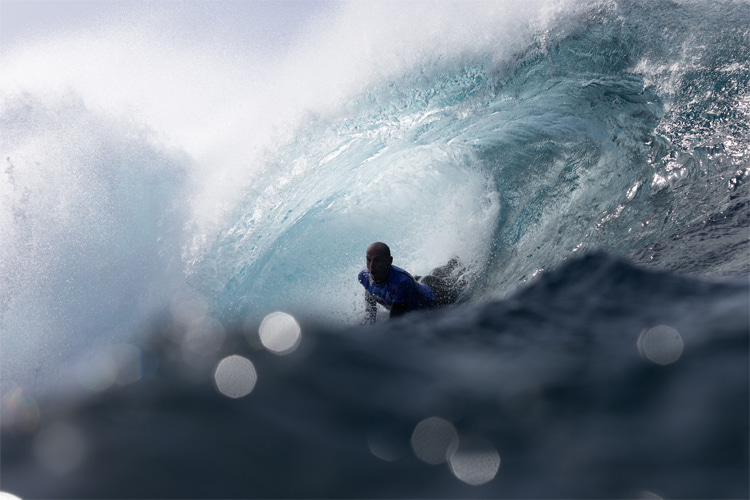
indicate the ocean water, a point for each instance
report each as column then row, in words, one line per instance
column 162, row 196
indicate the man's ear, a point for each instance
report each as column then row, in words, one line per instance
column 390, row 260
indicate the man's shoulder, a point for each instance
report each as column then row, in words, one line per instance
column 400, row 280
column 399, row 275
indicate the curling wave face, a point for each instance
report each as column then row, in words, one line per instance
column 588, row 137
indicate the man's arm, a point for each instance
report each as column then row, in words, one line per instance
column 371, row 308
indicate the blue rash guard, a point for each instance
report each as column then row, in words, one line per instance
column 400, row 287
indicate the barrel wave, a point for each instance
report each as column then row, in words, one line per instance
column 162, row 194
column 587, row 139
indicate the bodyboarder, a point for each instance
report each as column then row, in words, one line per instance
column 400, row 292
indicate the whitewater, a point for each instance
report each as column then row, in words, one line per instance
column 587, row 161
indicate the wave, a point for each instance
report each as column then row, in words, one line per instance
column 162, row 193
column 515, row 137
column 577, row 141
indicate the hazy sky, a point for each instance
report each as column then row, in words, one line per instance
column 242, row 21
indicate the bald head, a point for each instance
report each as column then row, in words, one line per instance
column 379, row 261
column 379, row 248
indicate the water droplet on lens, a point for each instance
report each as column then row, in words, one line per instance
column 187, row 309
column 474, row 460
column 60, row 448
column 280, row 333
column 661, row 345
column 204, row 337
column 432, row 439
column 19, row 411
column 385, row 445
column 115, row 364
column 128, row 359
column 98, row 372
column 235, row 376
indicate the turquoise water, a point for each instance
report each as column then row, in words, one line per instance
column 613, row 128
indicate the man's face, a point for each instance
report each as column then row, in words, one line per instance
column 379, row 264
